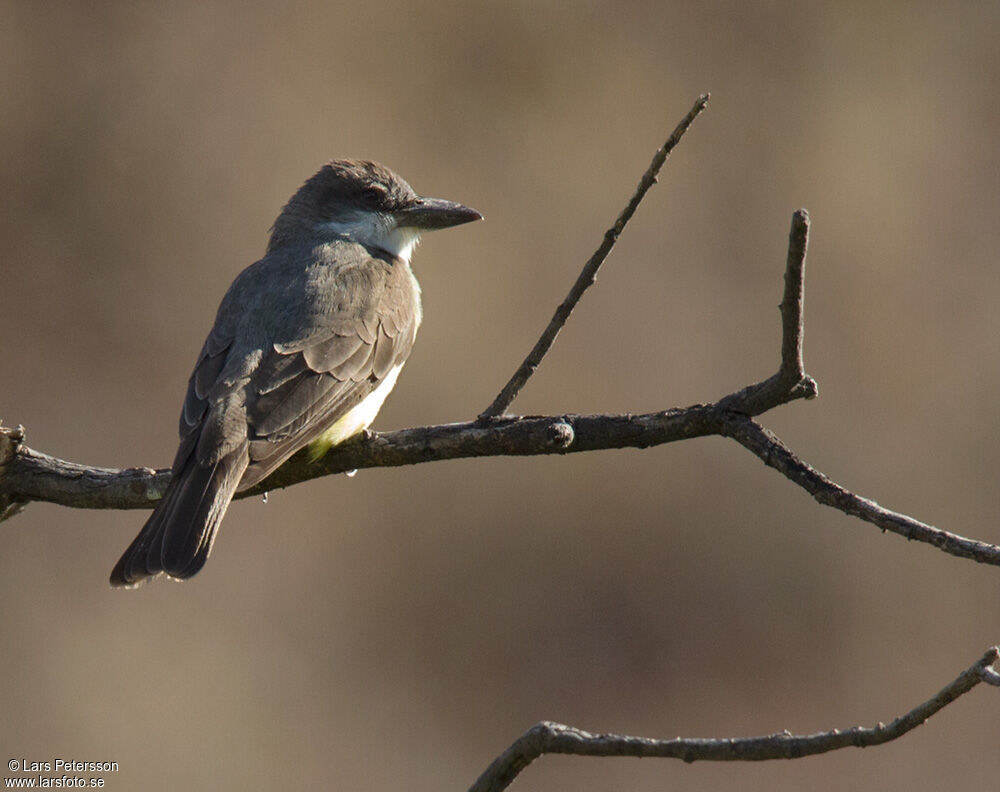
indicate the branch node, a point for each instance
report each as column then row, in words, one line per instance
column 990, row 677
column 987, row 673
column 10, row 443
column 807, row 388
column 559, row 435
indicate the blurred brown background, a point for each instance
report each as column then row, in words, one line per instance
column 398, row 629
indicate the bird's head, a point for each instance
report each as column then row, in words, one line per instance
column 367, row 203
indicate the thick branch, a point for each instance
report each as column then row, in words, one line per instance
column 36, row 476
column 588, row 275
column 554, row 738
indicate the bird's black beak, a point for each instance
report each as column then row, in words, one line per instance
column 429, row 214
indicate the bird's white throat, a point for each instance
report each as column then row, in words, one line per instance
column 374, row 230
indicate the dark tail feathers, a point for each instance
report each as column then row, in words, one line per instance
column 178, row 536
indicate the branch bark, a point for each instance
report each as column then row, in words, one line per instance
column 555, row 738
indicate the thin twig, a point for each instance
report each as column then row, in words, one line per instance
column 793, row 301
column 775, row 454
column 554, row 738
column 588, row 275
column 791, row 377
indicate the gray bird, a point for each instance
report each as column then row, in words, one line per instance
column 306, row 345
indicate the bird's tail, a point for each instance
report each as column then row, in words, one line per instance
column 178, row 536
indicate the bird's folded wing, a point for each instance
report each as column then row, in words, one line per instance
column 297, row 395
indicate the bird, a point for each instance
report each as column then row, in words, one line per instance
column 307, row 343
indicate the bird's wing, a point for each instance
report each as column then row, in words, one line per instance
column 303, row 386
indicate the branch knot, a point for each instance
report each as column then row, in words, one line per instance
column 559, row 435
column 10, row 443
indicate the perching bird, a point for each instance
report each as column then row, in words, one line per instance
column 306, row 345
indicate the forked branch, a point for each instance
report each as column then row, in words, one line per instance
column 27, row 475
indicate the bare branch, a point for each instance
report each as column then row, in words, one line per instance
column 30, row 475
column 588, row 275
column 35, row 476
column 777, row 455
column 554, row 738
column 793, row 301
column 27, row 475
column 791, row 379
